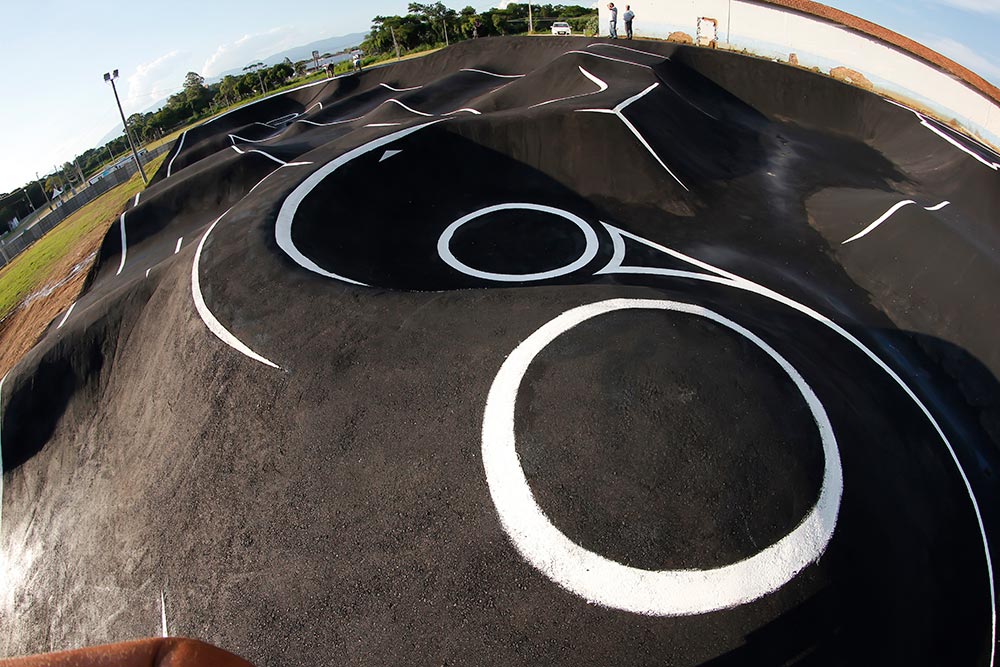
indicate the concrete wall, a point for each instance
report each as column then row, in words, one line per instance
column 776, row 32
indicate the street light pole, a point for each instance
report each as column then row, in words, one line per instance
column 110, row 78
column 44, row 192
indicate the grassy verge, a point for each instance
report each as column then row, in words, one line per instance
column 35, row 267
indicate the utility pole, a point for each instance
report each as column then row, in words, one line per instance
column 110, row 78
column 39, row 179
column 445, row 21
column 531, row 23
column 394, row 42
column 28, row 197
column 79, row 171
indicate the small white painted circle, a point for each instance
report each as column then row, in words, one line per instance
column 602, row 581
column 589, row 252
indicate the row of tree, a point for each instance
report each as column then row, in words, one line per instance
column 423, row 27
column 431, row 24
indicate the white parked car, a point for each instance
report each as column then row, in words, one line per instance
column 561, row 28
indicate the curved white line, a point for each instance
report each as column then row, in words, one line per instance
column 603, row 57
column 589, row 252
column 601, row 85
column 502, row 76
column 626, row 48
column 163, row 614
column 234, row 137
column 180, row 144
column 254, row 150
column 66, row 316
column 382, row 124
column 136, row 202
column 732, row 280
column 472, row 111
column 885, row 216
column 602, row 581
column 121, row 266
column 938, row 207
column 207, row 317
column 399, row 90
column 336, row 122
column 286, row 215
column 410, row 109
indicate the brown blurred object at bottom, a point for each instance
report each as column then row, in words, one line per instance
column 157, row 652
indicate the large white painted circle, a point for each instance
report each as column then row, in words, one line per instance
column 611, row 584
column 589, row 252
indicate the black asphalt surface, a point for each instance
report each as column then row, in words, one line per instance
column 298, row 463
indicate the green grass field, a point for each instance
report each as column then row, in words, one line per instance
column 33, row 269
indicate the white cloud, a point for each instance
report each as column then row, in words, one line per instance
column 963, row 55
column 248, row 48
column 980, row 6
column 152, row 81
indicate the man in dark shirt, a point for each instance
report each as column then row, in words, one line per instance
column 627, row 17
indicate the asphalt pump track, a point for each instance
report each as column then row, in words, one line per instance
column 531, row 351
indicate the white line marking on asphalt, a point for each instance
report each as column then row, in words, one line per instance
column 336, row 122
column 388, row 154
column 502, row 76
column 147, row 272
column 410, row 109
column 136, row 202
column 66, row 316
column 382, row 124
column 207, row 317
column 399, row 90
column 318, row 104
column 724, row 277
column 618, row 111
column 589, row 252
column 603, row 57
column 254, row 150
column 163, row 615
column 605, row 582
column 466, row 110
column 601, row 87
column 926, row 122
column 286, row 214
column 180, row 144
column 888, row 214
column 121, row 222
column 178, row 248
column 626, row 48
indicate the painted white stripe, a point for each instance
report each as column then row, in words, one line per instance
column 732, row 280
column 121, row 266
column 136, row 202
column 603, row 581
column 472, row 111
column 66, row 316
column 163, row 615
column 626, row 48
column 207, row 317
column 399, row 90
column 286, row 215
column 601, row 87
column 388, row 154
column 254, row 150
column 282, row 119
column 180, row 144
column 958, row 144
column 178, row 248
column 147, row 272
column 604, row 57
column 410, row 109
column 336, row 122
column 318, row 104
column 283, row 92
column 885, row 216
column 382, row 124
column 502, row 76
column 937, row 207
column 234, row 137
column 617, row 111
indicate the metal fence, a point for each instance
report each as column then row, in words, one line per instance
column 21, row 239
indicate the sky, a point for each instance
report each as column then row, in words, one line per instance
column 59, row 105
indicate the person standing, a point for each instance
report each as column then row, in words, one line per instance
column 627, row 17
column 613, row 26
